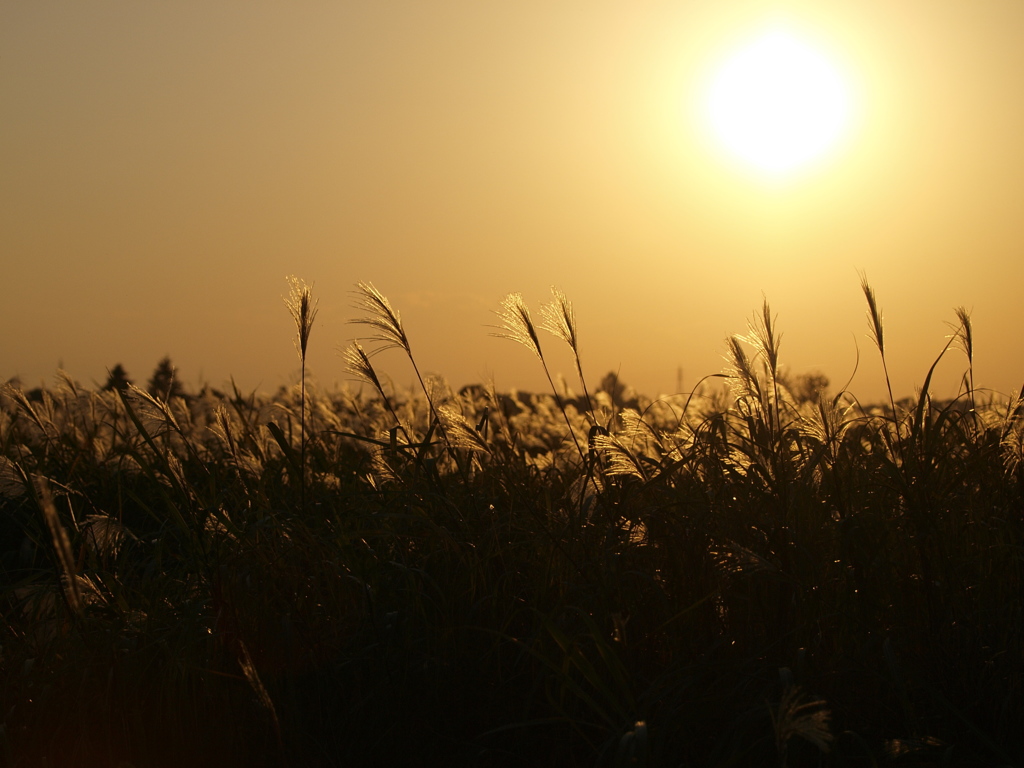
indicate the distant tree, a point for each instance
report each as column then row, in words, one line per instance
column 808, row 386
column 117, row 378
column 163, row 385
column 616, row 389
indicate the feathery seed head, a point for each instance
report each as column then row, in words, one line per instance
column 357, row 362
column 303, row 310
column 763, row 338
column 461, row 433
column 874, row 314
column 740, row 372
column 559, row 319
column 381, row 316
column 517, row 323
column 965, row 333
column 619, row 459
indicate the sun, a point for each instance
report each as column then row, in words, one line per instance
column 777, row 103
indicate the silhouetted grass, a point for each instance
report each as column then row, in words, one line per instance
column 732, row 576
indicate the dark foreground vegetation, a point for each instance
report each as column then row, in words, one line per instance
column 758, row 574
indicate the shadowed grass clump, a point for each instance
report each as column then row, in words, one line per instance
column 750, row 574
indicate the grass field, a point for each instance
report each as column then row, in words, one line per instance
column 749, row 574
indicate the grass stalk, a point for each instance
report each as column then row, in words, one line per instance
column 303, row 310
column 498, row 620
column 559, row 319
column 517, row 325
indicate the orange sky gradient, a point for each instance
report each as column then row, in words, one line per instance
column 164, row 167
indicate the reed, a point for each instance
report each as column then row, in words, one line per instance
column 739, row 575
column 386, row 321
column 517, row 325
column 303, row 310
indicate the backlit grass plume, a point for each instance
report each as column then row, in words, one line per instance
column 875, row 326
column 303, row 310
column 382, row 317
column 517, row 325
column 387, row 322
column 357, row 362
column 744, row 381
column 964, row 336
column 560, row 320
column 764, row 338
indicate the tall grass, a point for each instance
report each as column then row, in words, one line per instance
column 303, row 310
column 730, row 576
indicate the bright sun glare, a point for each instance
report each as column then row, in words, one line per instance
column 777, row 103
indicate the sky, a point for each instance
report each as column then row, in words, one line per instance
column 165, row 166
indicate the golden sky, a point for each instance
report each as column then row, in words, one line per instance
column 164, row 167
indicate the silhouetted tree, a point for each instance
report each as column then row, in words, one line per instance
column 808, row 386
column 616, row 389
column 117, row 378
column 163, row 385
